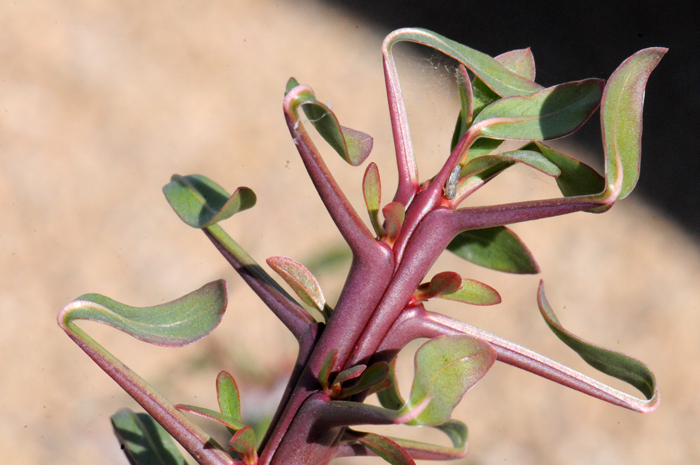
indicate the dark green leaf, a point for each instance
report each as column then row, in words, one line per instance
column 375, row 374
column 174, row 324
column 474, row 293
column 383, row 447
column 144, row 441
column 497, row 248
column 464, row 119
column 456, row 431
column 608, row 361
column 390, row 397
column 547, row 114
column 200, row 202
column 621, row 119
column 291, row 84
column 446, row 368
column 576, row 177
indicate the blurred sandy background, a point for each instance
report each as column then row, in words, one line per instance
column 100, row 102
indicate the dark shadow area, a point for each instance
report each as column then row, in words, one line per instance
column 577, row 40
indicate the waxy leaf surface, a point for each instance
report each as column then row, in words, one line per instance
column 621, row 119
column 375, row 374
column 548, row 114
column 353, row 146
column 300, row 280
column 519, row 61
column 474, row 293
column 499, row 78
column 144, row 441
column 244, row 442
column 200, row 202
column 174, row 324
column 394, row 214
column 496, row 248
column 608, row 361
column 446, row 367
column 576, row 177
column 228, row 396
column 531, row 158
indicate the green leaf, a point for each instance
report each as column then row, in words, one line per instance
column 372, row 190
column 550, row 113
column 244, row 442
column 621, row 119
column 228, row 396
column 464, row 119
column 519, row 61
column 200, row 202
column 229, row 422
column 608, row 361
column 474, row 293
column 375, row 374
column 531, row 158
column 446, row 368
column 496, row 248
column 576, row 177
column 177, row 323
column 348, row 374
column 353, row 146
column 382, row 446
column 499, row 78
column 300, row 280
column 291, row 84
column 394, row 214
column 324, row 372
column 390, row 397
column 144, row 441
column 456, row 431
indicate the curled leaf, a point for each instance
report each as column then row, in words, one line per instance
column 531, row 158
column 144, row 441
column 200, row 202
column 177, row 323
column 621, row 119
column 466, row 113
column 446, row 368
column 300, row 280
column 372, row 190
column 390, row 397
column 497, row 248
column 548, row 114
column 474, row 293
column 446, row 282
column 608, row 361
column 353, row 146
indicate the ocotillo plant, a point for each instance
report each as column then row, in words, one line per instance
column 347, row 350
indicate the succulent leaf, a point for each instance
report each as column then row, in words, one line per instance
column 200, row 202
column 144, row 441
column 576, row 177
column 177, row 323
column 496, row 248
column 608, row 361
column 300, row 280
column 382, row 446
column 474, row 293
column 244, row 442
column 228, row 396
column 372, row 190
column 621, row 119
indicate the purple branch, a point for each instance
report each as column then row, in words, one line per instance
column 346, row 219
column 430, row 324
column 405, row 159
column 195, row 441
column 292, row 315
